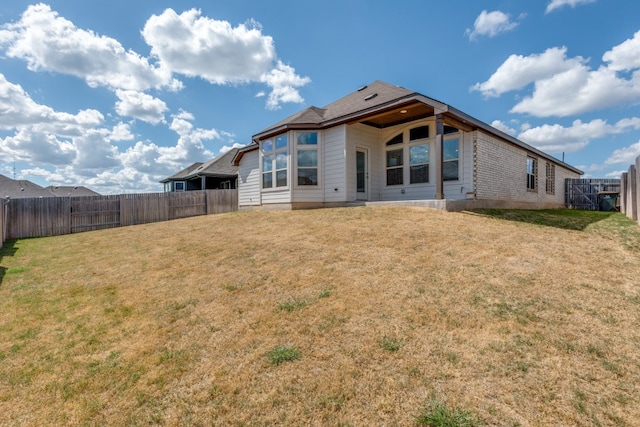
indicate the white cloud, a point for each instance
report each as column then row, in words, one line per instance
column 121, row 132
column 519, row 71
column 197, row 46
column 577, row 91
column 141, row 106
column 19, row 109
column 283, row 81
column 227, row 148
column 624, row 156
column 625, row 56
column 500, row 125
column 49, row 42
column 491, row 24
column 38, row 148
column 557, row 138
column 567, row 86
column 556, row 4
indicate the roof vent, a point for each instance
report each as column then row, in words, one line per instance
column 368, row 97
column 360, row 89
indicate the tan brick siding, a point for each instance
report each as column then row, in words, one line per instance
column 501, row 173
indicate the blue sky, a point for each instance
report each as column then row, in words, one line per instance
column 118, row 95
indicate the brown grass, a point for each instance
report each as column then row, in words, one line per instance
column 174, row 323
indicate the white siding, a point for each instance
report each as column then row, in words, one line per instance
column 453, row 190
column 334, row 164
column 249, row 180
column 365, row 137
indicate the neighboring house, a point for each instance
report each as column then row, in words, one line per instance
column 23, row 189
column 71, row 191
column 384, row 143
column 217, row 173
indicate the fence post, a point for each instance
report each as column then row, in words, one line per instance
column 623, row 193
column 632, row 202
column 637, row 192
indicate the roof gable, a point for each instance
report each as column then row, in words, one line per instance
column 221, row 166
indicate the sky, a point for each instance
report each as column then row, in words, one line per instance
column 118, row 95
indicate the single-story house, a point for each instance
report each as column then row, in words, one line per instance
column 384, row 143
column 217, row 173
column 24, row 189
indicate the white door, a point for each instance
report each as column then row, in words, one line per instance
column 362, row 174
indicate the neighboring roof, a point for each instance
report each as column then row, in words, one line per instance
column 70, row 191
column 220, row 166
column 20, row 189
column 23, row 189
column 381, row 105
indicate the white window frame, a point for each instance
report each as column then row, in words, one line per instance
column 406, row 146
column 275, row 151
column 317, row 147
column 449, row 137
column 532, row 178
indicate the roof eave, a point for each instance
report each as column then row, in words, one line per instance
column 500, row 134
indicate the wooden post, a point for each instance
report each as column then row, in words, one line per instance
column 632, row 196
column 637, row 184
column 623, row 193
column 439, row 157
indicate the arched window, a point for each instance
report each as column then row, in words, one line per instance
column 413, row 144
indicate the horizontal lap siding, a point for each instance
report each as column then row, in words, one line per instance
column 249, row 180
column 453, row 190
column 365, row 137
column 334, row 165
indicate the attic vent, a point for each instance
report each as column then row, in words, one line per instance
column 368, row 97
column 360, row 89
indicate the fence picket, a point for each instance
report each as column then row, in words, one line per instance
column 50, row 216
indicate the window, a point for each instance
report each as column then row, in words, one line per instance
column 307, row 143
column 419, row 163
column 550, row 178
column 274, row 161
column 394, row 167
column 532, row 173
column 417, row 148
column 421, row 132
column 179, row 186
column 450, row 160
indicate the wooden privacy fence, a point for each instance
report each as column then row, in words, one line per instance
column 51, row 216
column 587, row 193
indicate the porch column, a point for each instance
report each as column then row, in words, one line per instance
column 203, row 183
column 438, row 157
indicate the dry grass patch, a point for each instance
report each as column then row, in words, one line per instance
column 377, row 312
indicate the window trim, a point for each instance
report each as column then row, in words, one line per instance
column 456, row 136
column 275, row 151
column 404, row 144
column 420, row 143
column 317, row 147
column 532, row 178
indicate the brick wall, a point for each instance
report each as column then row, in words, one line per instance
column 501, row 174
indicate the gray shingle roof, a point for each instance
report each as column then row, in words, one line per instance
column 370, row 101
column 23, row 189
column 220, row 166
column 70, row 191
column 365, row 98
